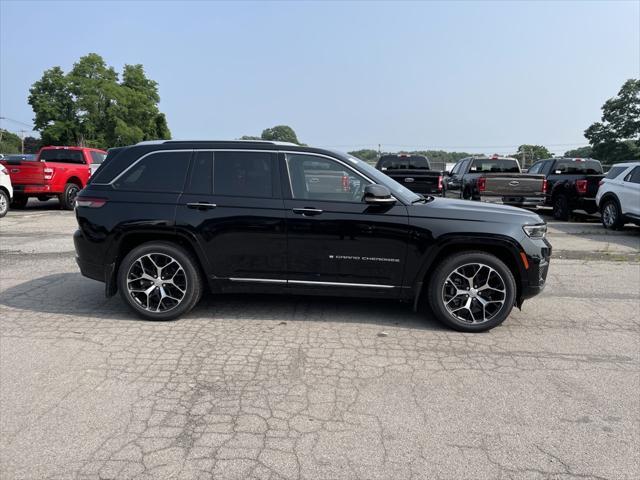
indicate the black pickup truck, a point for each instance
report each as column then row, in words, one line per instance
column 412, row 171
column 494, row 179
column 572, row 184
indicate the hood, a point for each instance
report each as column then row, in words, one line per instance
column 474, row 211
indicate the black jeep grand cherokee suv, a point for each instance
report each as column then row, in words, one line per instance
column 160, row 220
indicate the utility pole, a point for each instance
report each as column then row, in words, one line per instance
column 22, row 132
column 379, row 150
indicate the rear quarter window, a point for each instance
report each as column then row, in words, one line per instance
column 615, row 172
column 157, row 172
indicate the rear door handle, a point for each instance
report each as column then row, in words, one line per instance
column 201, row 205
column 307, row 211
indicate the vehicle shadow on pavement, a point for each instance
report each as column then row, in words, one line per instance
column 72, row 294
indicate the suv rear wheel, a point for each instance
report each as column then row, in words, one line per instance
column 611, row 215
column 472, row 291
column 159, row 281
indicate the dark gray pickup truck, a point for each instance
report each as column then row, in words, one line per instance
column 494, row 179
column 412, row 171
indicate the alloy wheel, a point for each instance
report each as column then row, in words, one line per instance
column 474, row 293
column 72, row 193
column 4, row 203
column 157, row 282
column 609, row 214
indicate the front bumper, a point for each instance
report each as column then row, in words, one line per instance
column 536, row 274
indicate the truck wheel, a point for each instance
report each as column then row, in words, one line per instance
column 611, row 215
column 472, row 291
column 19, row 202
column 159, row 281
column 68, row 197
column 4, row 203
column 561, row 207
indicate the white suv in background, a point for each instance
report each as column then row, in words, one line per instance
column 618, row 197
column 6, row 191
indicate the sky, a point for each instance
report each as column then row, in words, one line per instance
column 466, row 76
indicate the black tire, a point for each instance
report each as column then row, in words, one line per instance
column 611, row 214
column 439, row 286
column 191, row 281
column 68, row 197
column 4, row 203
column 19, row 202
column 561, row 207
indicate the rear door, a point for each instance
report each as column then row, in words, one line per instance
column 232, row 207
column 335, row 240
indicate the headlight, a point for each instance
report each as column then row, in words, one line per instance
column 535, row 231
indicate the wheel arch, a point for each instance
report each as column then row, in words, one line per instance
column 504, row 248
column 75, row 180
column 609, row 196
column 135, row 238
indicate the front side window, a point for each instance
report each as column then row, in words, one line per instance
column 97, row 157
column 158, row 172
column 318, row 178
column 244, row 174
column 535, row 168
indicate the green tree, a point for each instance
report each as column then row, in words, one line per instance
column 9, row 142
column 527, row 154
column 580, row 152
column 366, row 154
column 90, row 106
column 250, row 137
column 32, row 144
column 617, row 137
column 280, row 133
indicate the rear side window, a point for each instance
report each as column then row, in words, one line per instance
column 157, row 172
column 201, row 179
column 97, row 158
column 62, row 156
column 577, row 167
column 244, row 174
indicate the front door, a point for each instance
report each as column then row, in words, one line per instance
column 335, row 240
column 232, row 207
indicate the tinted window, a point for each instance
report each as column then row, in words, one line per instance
column 158, row 172
column 62, row 156
column 536, row 168
column 318, row 178
column 17, row 158
column 634, row 176
column 398, row 162
column 494, row 166
column 615, row 171
column 201, row 180
column 456, row 167
column 577, row 167
column 243, row 174
column 97, row 158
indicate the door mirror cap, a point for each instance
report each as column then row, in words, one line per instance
column 378, row 195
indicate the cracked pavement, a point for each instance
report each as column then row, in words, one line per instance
column 286, row 387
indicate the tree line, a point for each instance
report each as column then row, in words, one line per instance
column 92, row 105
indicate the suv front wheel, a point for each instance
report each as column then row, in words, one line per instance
column 159, row 281
column 472, row 291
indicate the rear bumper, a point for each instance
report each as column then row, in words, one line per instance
column 514, row 201
column 95, row 271
column 23, row 190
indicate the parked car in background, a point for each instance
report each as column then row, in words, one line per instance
column 412, row 171
column 6, row 191
column 572, row 184
column 494, row 179
column 55, row 172
column 618, row 197
column 162, row 222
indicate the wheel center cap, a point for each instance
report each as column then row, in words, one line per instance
column 158, row 282
column 473, row 293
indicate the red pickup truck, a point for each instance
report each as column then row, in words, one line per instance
column 56, row 172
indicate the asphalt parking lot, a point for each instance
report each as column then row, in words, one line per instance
column 298, row 387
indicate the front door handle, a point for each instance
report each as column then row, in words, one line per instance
column 307, row 211
column 201, row 205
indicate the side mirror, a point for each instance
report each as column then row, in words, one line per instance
column 378, row 195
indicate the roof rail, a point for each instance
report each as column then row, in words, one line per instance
column 270, row 142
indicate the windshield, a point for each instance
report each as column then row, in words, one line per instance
column 380, row 178
column 494, row 166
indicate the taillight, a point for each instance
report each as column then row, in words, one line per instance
column 345, row 183
column 48, row 173
column 90, row 202
column 439, row 183
column 544, row 185
column 581, row 186
column 482, row 184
